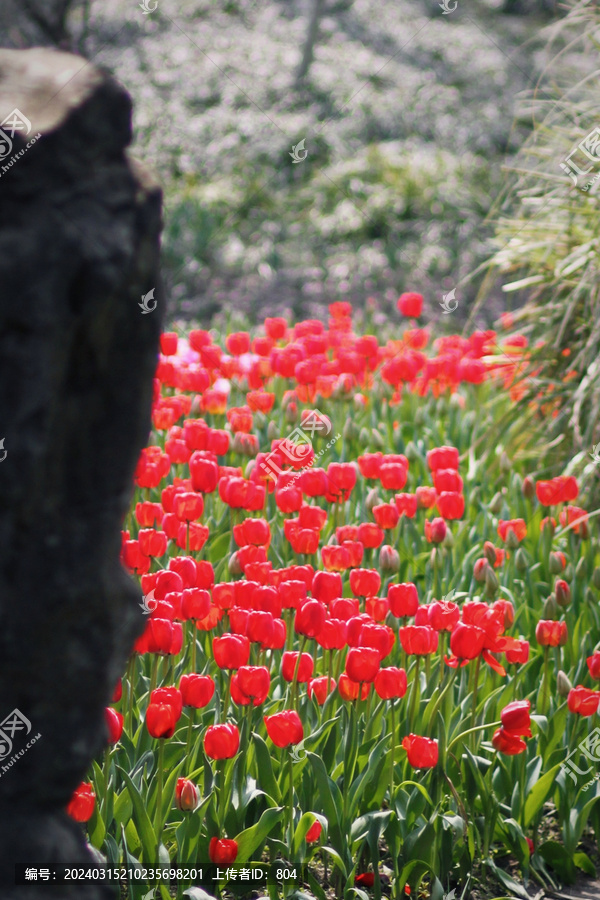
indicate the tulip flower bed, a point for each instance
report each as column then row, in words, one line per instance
column 367, row 629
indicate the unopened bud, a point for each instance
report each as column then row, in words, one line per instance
column 550, row 610
column 480, row 568
column 349, row 430
column 581, row 568
column 246, row 444
column 562, row 592
column 273, row 431
column 373, row 499
column 555, row 563
column 187, row 795
column 250, row 466
column 420, row 417
column 234, row 565
column 563, row 685
column 512, row 541
column 389, row 559
column 528, row 487
column 378, row 441
column 291, row 412
column 491, row 582
column 411, row 452
column 496, row 504
column 448, row 541
column 489, row 552
column 364, row 437
column 505, row 463
column 521, row 563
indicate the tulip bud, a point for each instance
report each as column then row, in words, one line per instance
column 389, row 559
column 455, row 401
column 517, row 482
column 291, row 412
column 580, row 569
column 521, row 563
column 349, row 429
column 480, row 568
column 563, row 685
column 512, row 541
column 372, row 499
column 187, row 795
column 505, row 463
column 555, row 564
column 234, row 565
column 195, row 409
column 250, row 465
column 528, row 487
column 491, row 582
column 272, row 431
column 550, row 610
column 562, row 592
column 378, row 441
column 589, row 596
column 364, row 437
column 411, row 452
column 420, row 417
column 448, row 541
column 489, row 551
column 496, row 504
column 596, row 577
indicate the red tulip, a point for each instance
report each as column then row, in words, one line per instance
column 583, row 701
column 379, row 637
column 593, row 664
column 443, row 615
column 305, row 668
column 252, row 531
column 393, row 475
column 152, row 543
column 365, row 582
column 410, row 304
column 377, row 608
column 562, row 489
column 516, row 526
column 254, row 682
column 390, row 683
column 341, row 478
column 577, row 518
column 196, row 690
column 425, row 497
column 312, row 517
column 259, row 629
column 362, row 664
column 188, row 507
column 320, row 688
column 435, row 531
column 406, row 504
column 421, row 751
column 370, row 464
column 418, row 640
column 161, row 720
column 170, row 695
column 222, row 851
column 447, row 480
column 518, row 652
column 349, row 689
column 403, row 599
column 114, row 724
column 231, row 651
column 451, row 505
column 507, row 743
column 333, row 634
column 81, row 804
column 187, row 795
column 284, row 728
column 221, row 741
column 195, row 603
column 310, row 618
column 551, row 634
column 442, row 458
column 516, row 719
column 314, row 832
column 335, row 559
column 326, row 586
column 467, row 641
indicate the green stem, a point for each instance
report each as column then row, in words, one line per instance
column 413, row 695
column 393, row 750
column 291, row 805
column 476, row 685
column 154, row 672
column 129, row 680
column 159, row 793
column 471, row 731
column 545, row 698
column 188, row 743
column 227, row 695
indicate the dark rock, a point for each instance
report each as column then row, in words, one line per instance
column 79, row 246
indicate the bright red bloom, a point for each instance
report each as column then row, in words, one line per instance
column 152, row 543
column 451, row 505
column 320, row 689
column 238, row 343
column 442, row 458
column 390, row 683
column 312, row 517
column 583, row 701
column 517, row 652
column 393, row 475
column 161, row 720
column 341, row 478
column 509, row 744
column 447, row 480
column 562, row 489
column 517, row 526
column 406, row 504
column 254, row 682
column 380, row 637
column 551, row 634
column 425, row 497
column 365, row 582
column 370, row 464
column 418, row 640
column 170, row 695
column 410, row 304
column 403, row 599
column 362, row 664
column 276, row 328
column 435, row 530
column 204, row 473
column 252, row 531
column 221, row 741
column 195, row 603
column 310, row 618
column 422, row 752
column 333, row 634
column 188, row 506
column 467, row 641
column 231, row 651
column 196, row 690
column 386, row 515
column 577, row 518
column 314, row 832
column 305, row 668
column 81, row 805
column 443, row 615
column 593, row 664
column 222, row 851
column 516, row 719
column 370, row 535
column 335, row 558
column 284, row 728
column 114, row 724
column 259, row 629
